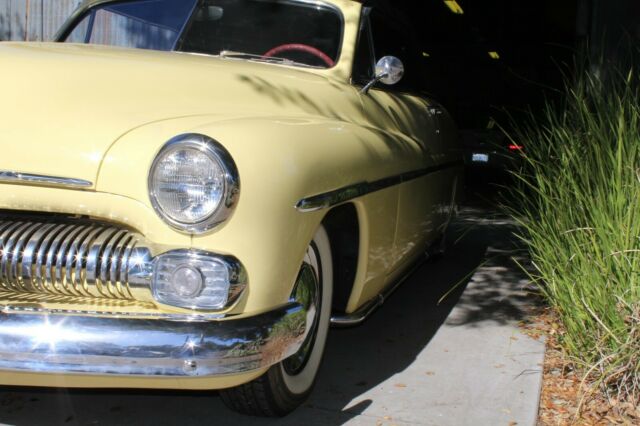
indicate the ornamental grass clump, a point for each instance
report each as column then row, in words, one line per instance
column 578, row 202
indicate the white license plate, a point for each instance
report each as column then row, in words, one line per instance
column 480, row 158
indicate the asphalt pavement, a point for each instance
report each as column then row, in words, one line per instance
column 446, row 349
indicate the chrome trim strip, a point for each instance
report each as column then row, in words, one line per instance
column 347, row 193
column 359, row 316
column 37, row 309
column 7, row 176
column 53, row 343
column 364, row 312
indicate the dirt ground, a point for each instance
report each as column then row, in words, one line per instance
column 567, row 397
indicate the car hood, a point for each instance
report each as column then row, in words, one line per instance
column 63, row 105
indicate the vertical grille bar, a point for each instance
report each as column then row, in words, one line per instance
column 28, row 257
column 17, row 256
column 73, row 260
column 62, row 261
column 10, row 254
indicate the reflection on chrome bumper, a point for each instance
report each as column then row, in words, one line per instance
column 98, row 345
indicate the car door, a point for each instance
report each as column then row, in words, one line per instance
column 410, row 124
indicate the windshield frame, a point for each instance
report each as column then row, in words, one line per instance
column 86, row 7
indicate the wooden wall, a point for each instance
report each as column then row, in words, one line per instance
column 33, row 20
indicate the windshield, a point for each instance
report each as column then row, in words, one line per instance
column 293, row 32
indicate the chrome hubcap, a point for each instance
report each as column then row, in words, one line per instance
column 308, row 292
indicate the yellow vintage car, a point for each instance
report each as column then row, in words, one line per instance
column 193, row 191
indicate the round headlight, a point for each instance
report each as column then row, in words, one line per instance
column 193, row 183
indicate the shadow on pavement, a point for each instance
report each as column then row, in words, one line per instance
column 357, row 360
column 481, row 248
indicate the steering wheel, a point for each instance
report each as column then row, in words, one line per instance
column 297, row 47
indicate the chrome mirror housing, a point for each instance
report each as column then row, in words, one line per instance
column 389, row 70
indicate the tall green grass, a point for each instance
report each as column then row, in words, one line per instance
column 578, row 201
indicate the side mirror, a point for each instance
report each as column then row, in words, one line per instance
column 389, row 70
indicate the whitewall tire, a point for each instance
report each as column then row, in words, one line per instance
column 286, row 385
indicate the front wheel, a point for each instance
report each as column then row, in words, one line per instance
column 286, row 385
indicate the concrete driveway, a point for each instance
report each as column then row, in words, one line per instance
column 418, row 360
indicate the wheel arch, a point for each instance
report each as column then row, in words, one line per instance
column 344, row 227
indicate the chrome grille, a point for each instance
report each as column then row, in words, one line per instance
column 73, row 259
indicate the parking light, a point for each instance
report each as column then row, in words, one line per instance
column 196, row 280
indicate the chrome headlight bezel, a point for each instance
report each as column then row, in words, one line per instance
column 231, row 178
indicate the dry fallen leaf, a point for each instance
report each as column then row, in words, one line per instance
column 564, row 402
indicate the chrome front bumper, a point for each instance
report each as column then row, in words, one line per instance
column 50, row 342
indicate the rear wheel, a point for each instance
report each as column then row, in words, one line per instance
column 285, row 386
column 438, row 248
